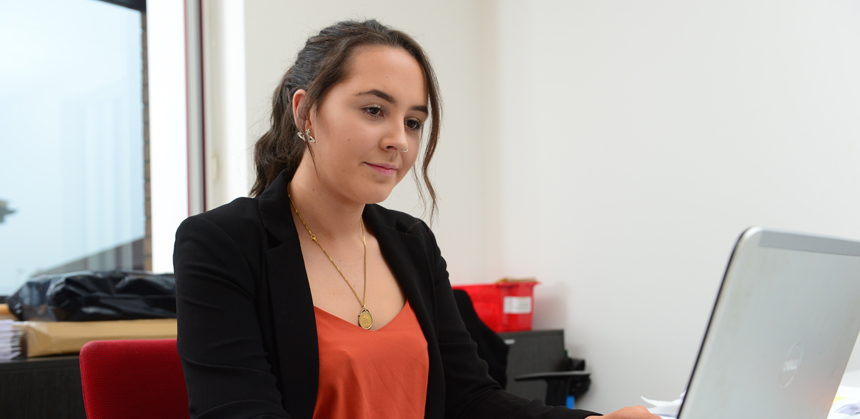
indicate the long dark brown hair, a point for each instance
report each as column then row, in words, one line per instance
column 319, row 65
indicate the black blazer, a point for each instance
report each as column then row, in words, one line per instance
column 246, row 327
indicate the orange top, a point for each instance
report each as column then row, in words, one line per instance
column 375, row 374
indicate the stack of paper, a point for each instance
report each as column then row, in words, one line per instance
column 10, row 339
column 846, row 405
column 666, row 409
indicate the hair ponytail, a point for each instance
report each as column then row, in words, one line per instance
column 279, row 149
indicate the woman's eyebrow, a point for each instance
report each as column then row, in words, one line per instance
column 380, row 94
column 390, row 99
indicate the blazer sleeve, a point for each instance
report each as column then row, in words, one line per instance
column 219, row 337
column 470, row 392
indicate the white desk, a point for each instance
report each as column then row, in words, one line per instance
column 851, row 379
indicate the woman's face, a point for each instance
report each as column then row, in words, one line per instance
column 368, row 126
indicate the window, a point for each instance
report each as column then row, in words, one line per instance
column 74, row 155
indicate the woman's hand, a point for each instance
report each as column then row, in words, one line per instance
column 633, row 412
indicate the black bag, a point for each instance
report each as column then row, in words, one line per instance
column 95, row 295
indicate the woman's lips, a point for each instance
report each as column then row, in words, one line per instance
column 385, row 169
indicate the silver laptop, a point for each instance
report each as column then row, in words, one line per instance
column 782, row 330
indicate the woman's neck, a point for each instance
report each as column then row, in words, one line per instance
column 328, row 215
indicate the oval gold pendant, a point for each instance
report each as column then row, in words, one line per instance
column 365, row 319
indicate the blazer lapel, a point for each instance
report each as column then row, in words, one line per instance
column 407, row 259
column 292, row 305
column 407, row 256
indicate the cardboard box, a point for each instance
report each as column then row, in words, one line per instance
column 5, row 313
column 55, row 338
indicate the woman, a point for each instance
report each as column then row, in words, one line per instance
column 309, row 300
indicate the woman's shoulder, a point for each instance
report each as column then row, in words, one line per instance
column 399, row 221
column 238, row 219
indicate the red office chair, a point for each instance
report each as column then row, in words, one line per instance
column 133, row 379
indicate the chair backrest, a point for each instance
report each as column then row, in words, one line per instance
column 133, row 379
column 491, row 348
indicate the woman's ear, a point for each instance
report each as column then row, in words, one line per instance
column 298, row 96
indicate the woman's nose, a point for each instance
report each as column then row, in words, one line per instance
column 396, row 139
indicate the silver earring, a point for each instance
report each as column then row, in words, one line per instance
column 306, row 136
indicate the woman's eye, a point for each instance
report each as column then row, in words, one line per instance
column 413, row 124
column 373, row 111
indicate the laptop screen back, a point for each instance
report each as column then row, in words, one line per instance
column 782, row 330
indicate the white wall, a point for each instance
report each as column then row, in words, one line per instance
column 228, row 160
column 616, row 150
column 638, row 139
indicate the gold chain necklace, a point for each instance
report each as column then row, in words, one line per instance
column 365, row 319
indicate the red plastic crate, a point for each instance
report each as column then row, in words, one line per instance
column 505, row 306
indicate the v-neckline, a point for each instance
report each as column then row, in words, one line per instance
column 399, row 313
